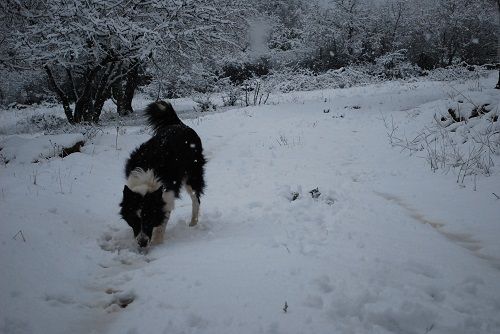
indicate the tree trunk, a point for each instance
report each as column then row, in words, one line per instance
column 84, row 106
column 123, row 90
column 81, row 108
column 498, row 83
column 62, row 96
column 117, row 94
column 130, row 88
column 90, row 97
column 103, row 91
column 99, row 104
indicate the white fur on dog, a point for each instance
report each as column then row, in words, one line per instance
column 143, row 182
column 169, row 199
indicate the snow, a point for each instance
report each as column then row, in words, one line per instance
column 388, row 246
column 27, row 150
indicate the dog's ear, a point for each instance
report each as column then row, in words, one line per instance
column 129, row 194
column 126, row 191
column 158, row 194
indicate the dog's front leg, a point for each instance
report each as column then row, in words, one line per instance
column 159, row 233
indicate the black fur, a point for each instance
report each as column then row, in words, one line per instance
column 175, row 154
column 151, row 206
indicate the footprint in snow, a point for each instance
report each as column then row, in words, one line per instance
column 323, row 284
column 119, row 300
column 314, row 301
column 116, row 240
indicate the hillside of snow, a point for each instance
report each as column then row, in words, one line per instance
column 384, row 245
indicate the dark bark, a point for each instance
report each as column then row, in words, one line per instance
column 62, row 95
column 81, row 108
column 124, row 89
column 103, row 91
column 84, row 103
column 73, row 84
column 98, row 105
column 130, row 87
column 117, row 94
column 95, row 87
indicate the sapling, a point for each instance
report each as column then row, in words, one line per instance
column 116, row 138
column 60, row 180
column 35, row 174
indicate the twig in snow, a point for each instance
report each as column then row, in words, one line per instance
column 35, row 174
column 498, row 197
column 60, row 181
column 20, row 233
column 285, row 308
column 468, row 99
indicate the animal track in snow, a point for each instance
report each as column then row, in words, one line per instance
column 119, row 300
column 116, row 239
column 324, row 284
column 314, row 301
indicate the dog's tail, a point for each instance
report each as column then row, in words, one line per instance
column 160, row 115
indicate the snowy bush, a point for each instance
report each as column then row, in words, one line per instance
column 464, row 138
column 395, row 65
column 389, row 67
column 204, row 103
column 257, row 90
column 240, row 71
column 231, row 96
column 289, row 80
column 457, row 72
column 231, row 93
column 46, row 123
column 28, row 87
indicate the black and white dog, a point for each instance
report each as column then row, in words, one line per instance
column 157, row 170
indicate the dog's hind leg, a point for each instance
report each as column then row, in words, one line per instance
column 195, row 199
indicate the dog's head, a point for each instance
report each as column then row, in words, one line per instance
column 143, row 213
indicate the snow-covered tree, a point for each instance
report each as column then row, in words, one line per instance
column 89, row 48
column 341, row 32
column 446, row 32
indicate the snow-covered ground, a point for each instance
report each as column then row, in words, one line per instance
column 387, row 247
